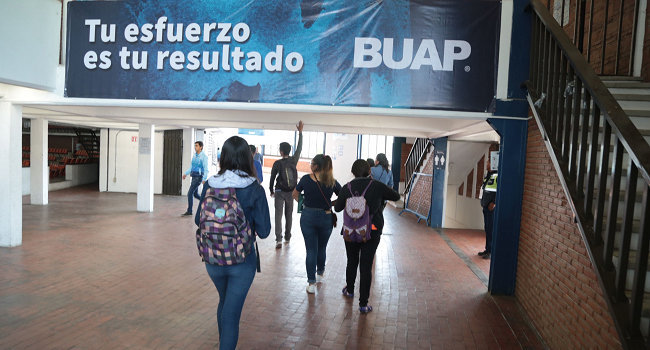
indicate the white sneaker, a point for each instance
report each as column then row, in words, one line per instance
column 319, row 278
column 311, row 288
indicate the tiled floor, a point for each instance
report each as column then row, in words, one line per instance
column 92, row 273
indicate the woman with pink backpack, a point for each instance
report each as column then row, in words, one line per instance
column 363, row 221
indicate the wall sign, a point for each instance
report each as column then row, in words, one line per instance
column 406, row 54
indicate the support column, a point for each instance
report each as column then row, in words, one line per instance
column 145, row 167
column 188, row 151
column 439, row 183
column 11, row 201
column 396, row 163
column 507, row 213
column 103, row 160
column 38, row 163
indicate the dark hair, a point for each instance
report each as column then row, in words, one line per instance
column 360, row 168
column 200, row 143
column 371, row 162
column 253, row 149
column 323, row 165
column 236, row 155
column 285, row 148
column 383, row 161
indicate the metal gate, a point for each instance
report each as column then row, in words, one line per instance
column 172, row 162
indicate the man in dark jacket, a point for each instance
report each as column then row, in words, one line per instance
column 285, row 171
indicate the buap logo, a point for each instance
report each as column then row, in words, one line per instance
column 370, row 53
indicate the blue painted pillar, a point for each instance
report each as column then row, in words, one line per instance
column 507, row 214
column 396, row 163
column 436, row 211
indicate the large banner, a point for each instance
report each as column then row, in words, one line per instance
column 436, row 54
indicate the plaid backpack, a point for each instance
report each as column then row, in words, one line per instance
column 357, row 222
column 224, row 236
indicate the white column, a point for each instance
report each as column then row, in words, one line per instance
column 145, row 167
column 38, row 163
column 11, row 201
column 188, row 151
column 103, row 160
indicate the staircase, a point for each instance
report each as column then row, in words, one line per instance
column 597, row 131
column 634, row 97
column 89, row 140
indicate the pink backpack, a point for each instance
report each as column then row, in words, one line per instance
column 357, row 221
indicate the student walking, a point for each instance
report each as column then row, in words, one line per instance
column 381, row 171
column 198, row 171
column 287, row 175
column 258, row 164
column 361, row 253
column 233, row 210
column 317, row 218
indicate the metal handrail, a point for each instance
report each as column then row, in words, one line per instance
column 414, row 160
column 622, row 126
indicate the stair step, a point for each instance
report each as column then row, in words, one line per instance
column 626, row 84
column 619, row 78
column 632, row 97
column 644, row 113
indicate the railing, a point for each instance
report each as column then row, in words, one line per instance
column 580, row 120
column 590, row 20
column 414, row 161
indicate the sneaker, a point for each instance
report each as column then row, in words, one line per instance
column 319, row 278
column 482, row 253
column 346, row 293
column 365, row 309
column 187, row 213
column 486, row 256
column 278, row 245
column 311, row 288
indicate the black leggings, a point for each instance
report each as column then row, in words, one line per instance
column 361, row 255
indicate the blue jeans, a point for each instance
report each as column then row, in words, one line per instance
column 193, row 192
column 233, row 283
column 316, row 226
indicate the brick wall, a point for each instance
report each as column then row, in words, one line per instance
column 420, row 199
column 595, row 51
column 556, row 283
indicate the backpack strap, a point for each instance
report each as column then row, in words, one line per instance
column 367, row 187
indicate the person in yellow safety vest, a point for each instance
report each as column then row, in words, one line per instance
column 488, row 202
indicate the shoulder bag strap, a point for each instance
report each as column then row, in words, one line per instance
column 323, row 194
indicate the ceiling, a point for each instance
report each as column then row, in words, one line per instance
column 127, row 114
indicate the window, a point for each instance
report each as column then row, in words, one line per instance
column 371, row 145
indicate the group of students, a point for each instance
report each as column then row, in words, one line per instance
column 233, row 211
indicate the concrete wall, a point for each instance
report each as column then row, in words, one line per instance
column 462, row 211
column 26, row 181
column 81, row 174
column 122, row 165
column 29, row 41
column 556, row 282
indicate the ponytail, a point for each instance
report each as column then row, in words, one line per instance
column 324, row 168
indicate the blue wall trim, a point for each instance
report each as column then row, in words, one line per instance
column 436, row 210
column 507, row 215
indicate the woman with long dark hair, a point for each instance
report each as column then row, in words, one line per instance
column 317, row 217
column 381, row 171
column 233, row 280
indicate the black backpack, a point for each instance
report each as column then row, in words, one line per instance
column 287, row 175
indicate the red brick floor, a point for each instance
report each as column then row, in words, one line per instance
column 92, row 273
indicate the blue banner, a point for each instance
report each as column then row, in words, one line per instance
column 402, row 54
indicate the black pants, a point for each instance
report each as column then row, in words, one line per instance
column 488, row 221
column 361, row 255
